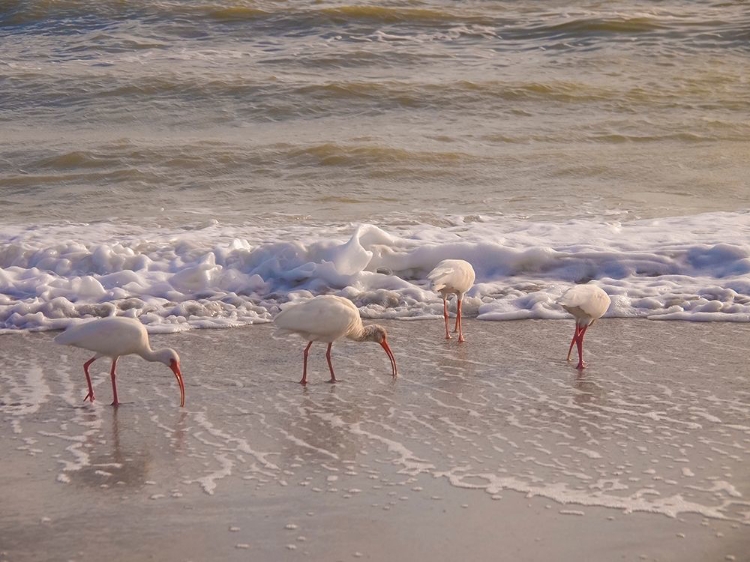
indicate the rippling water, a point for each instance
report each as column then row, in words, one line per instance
column 201, row 163
column 487, row 106
column 293, row 116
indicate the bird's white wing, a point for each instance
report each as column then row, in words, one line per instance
column 588, row 299
column 106, row 336
column 324, row 318
column 453, row 275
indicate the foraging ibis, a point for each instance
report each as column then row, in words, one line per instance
column 452, row 277
column 586, row 303
column 328, row 318
column 114, row 337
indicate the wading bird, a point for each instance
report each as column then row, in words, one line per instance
column 586, row 303
column 328, row 318
column 452, row 277
column 114, row 337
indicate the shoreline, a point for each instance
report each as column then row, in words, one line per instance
column 476, row 450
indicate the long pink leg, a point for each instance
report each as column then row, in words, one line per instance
column 445, row 315
column 90, row 395
column 330, row 365
column 581, row 364
column 574, row 340
column 113, row 375
column 304, row 368
column 459, row 322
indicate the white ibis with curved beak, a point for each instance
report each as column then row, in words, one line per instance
column 328, row 318
column 114, row 337
column 452, row 277
column 586, row 303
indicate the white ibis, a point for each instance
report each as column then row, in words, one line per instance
column 328, row 318
column 452, row 277
column 114, row 337
column 586, row 303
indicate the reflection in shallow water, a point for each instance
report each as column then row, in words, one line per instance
column 503, row 411
column 110, row 462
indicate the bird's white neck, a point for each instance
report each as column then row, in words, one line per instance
column 366, row 333
column 160, row 355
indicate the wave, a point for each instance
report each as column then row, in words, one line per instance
column 719, row 25
column 334, row 154
column 586, row 26
column 209, row 87
column 400, row 14
column 163, row 164
column 689, row 268
column 237, row 12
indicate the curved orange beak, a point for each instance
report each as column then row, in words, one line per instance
column 176, row 370
column 384, row 345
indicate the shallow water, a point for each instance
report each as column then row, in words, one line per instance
column 640, row 430
column 658, row 424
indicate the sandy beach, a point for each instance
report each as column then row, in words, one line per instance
column 496, row 449
column 200, row 166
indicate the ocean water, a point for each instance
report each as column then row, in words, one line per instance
column 199, row 164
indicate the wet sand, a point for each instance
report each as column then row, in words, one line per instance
column 496, row 449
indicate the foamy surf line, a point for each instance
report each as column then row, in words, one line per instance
column 214, row 276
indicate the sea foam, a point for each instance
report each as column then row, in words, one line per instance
column 214, row 275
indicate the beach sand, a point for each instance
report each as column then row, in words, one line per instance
column 495, row 449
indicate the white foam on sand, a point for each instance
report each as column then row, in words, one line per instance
column 561, row 492
column 688, row 268
column 404, row 457
column 302, row 443
column 227, row 444
column 209, row 482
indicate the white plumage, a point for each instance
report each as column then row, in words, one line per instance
column 586, row 303
column 328, row 318
column 325, row 318
column 114, row 337
column 452, row 277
